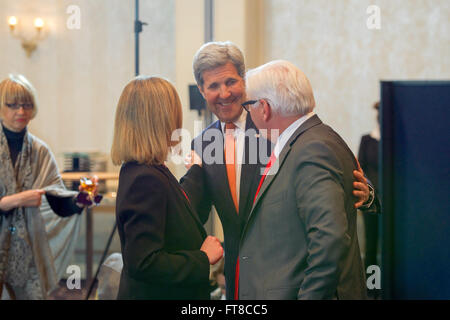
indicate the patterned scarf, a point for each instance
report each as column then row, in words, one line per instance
column 26, row 259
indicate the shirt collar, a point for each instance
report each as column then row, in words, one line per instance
column 288, row 132
column 239, row 123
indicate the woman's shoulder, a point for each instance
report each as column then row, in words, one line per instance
column 134, row 170
column 142, row 179
column 37, row 142
column 137, row 166
column 40, row 149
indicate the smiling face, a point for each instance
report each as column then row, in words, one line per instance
column 224, row 91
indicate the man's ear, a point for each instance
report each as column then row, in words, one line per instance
column 201, row 91
column 266, row 110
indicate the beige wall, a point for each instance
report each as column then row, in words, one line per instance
column 189, row 36
column 345, row 61
column 79, row 74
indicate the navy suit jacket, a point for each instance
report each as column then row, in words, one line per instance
column 213, row 188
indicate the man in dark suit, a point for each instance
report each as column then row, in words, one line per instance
column 219, row 70
column 300, row 239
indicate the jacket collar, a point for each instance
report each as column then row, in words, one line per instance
column 311, row 122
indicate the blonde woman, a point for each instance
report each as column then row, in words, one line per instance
column 35, row 244
column 166, row 252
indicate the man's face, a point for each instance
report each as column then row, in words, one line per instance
column 224, row 91
column 257, row 115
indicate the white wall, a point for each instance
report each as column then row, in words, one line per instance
column 344, row 60
column 79, row 74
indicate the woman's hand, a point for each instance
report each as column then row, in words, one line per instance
column 213, row 249
column 29, row 198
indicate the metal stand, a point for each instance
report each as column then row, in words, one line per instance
column 138, row 25
column 137, row 29
column 105, row 252
column 89, row 244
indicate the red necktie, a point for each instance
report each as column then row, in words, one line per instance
column 266, row 170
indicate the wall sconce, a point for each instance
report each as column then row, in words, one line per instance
column 29, row 44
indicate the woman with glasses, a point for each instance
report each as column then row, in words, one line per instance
column 166, row 253
column 35, row 244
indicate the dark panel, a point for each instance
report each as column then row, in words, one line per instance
column 415, row 177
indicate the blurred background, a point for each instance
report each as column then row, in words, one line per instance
column 85, row 55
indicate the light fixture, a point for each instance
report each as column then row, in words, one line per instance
column 38, row 24
column 29, row 44
column 12, row 21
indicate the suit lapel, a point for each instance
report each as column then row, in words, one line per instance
column 276, row 167
column 248, row 171
column 273, row 172
column 185, row 200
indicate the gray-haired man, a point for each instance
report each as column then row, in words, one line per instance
column 219, row 70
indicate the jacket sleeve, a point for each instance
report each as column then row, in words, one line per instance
column 142, row 211
column 321, row 204
column 63, row 206
column 375, row 205
column 194, row 184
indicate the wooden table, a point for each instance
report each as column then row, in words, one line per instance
column 75, row 176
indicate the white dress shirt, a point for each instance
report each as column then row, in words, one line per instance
column 239, row 136
column 288, row 132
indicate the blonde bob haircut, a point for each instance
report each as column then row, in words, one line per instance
column 17, row 89
column 149, row 110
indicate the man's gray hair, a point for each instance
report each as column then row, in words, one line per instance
column 283, row 85
column 216, row 54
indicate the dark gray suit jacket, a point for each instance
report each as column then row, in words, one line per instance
column 300, row 239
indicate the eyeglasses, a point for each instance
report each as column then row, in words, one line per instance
column 247, row 103
column 17, row 106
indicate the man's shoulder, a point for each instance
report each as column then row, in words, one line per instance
column 213, row 126
column 322, row 134
column 321, row 141
column 212, row 130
